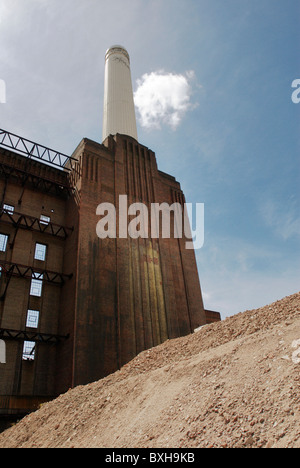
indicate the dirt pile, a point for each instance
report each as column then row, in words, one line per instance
column 232, row 384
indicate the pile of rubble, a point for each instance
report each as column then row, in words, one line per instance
column 232, row 384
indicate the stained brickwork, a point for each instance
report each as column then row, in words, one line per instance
column 30, row 190
column 118, row 297
column 212, row 316
column 135, row 293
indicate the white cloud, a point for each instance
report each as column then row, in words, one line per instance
column 163, row 98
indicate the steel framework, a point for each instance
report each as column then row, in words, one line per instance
column 22, row 335
column 23, row 221
column 39, row 183
column 24, row 271
column 36, row 151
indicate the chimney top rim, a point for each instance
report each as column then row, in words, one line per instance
column 116, row 49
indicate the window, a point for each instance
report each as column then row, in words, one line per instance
column 45, row 220
column 3, row 242
column 2, row 352
column 40, row 252
column 36, row 285
column 28, row 351
column 32, row 318
column 9, row 208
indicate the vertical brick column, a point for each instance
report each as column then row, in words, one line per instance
column 129, row 294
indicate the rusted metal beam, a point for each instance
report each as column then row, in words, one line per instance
column 37, row 182
column 26, row 271
column 24, row 221
column 24, row 335
column 36, row 151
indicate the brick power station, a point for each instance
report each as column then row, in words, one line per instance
column 73, row 307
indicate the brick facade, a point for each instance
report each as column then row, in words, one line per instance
column 103, row 300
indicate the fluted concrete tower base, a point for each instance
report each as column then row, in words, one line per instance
column 118, row 112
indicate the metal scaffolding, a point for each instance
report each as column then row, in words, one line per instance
column 23, row 335
column 24, row 221
column 36, row 181
column 36, row 151
column 25, row 271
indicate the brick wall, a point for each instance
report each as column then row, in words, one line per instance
column 31, row 197
column 135, row 293
column 124, row 296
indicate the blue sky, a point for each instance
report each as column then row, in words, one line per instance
column 234, row 145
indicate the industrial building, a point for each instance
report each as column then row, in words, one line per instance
column 75, row 308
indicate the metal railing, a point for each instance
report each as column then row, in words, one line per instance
column 34, row 150
column 23, row 221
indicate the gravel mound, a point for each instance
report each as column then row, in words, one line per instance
column 231, row 384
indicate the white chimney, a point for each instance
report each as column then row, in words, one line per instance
column 118, row 111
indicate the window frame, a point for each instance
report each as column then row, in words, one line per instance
column 43, row 259
column 36, row 282
column 29, row 350
column 33, row 318
column 3, row 245
column 9, row 208
column 44, row 219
